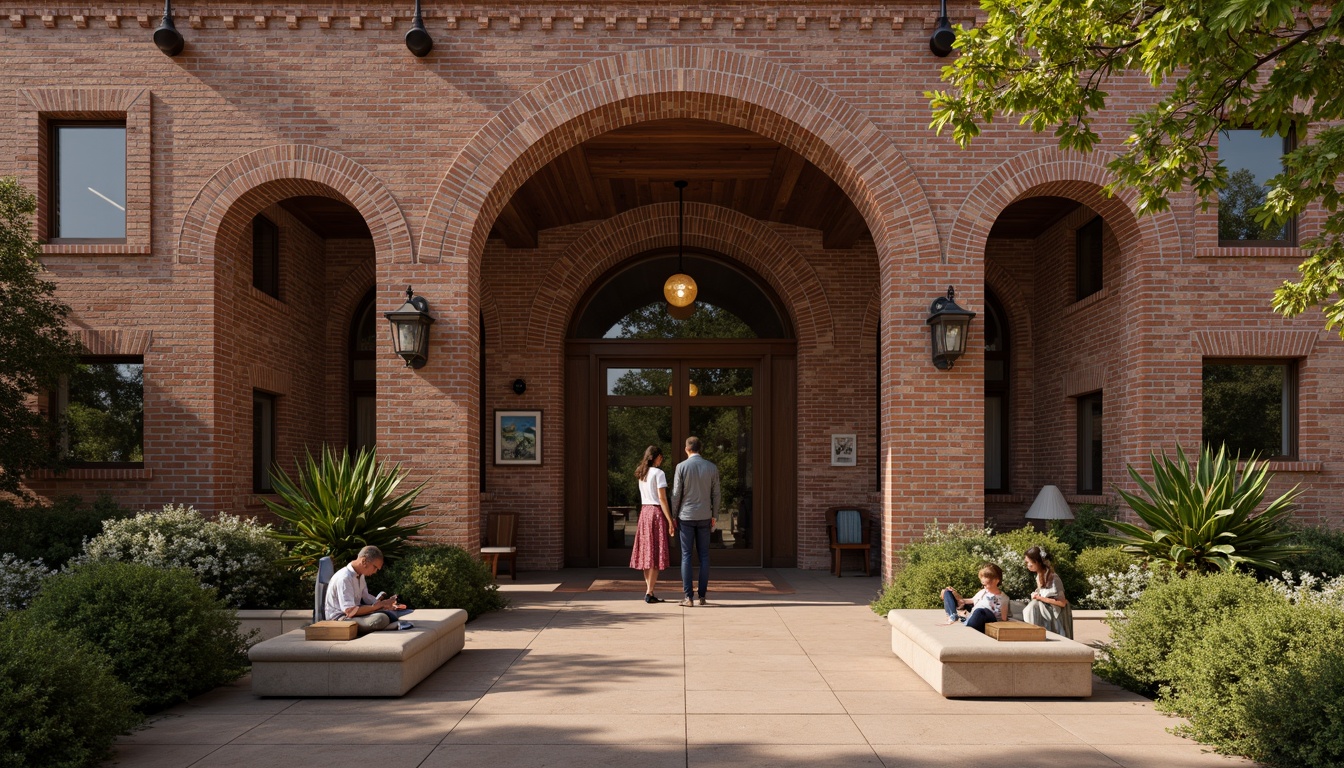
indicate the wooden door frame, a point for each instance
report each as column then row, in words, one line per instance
column 775, row 451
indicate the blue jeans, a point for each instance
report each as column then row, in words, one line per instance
column 694, row 533
column 978, row 618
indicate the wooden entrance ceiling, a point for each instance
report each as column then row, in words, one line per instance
column 636, row 165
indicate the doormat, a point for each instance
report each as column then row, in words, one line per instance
column 749, row 583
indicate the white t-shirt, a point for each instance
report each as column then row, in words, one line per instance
column 992, row 603
column 345, row 589
column 648, row 487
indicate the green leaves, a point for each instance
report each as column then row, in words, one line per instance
column 1270, row 65
column 336, row 507
column 1203, row 518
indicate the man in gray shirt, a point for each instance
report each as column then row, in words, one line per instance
column 695, row 502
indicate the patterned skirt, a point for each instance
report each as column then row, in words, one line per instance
column 650, row 540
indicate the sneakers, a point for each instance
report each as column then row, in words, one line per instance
column 652, row 599
column 953, row 620
column 702, row 601
column 687, row 603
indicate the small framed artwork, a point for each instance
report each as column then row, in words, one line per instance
column 843, row 451
column 517, row 437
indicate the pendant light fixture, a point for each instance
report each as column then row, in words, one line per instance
column 679, row 290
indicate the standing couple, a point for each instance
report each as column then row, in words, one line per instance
column 695, row 499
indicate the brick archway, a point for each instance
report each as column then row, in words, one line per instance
column 1050, row 171
column 655, row 226
column 289, row 170
column 662, row 83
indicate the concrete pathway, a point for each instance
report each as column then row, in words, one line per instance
column 587, row 679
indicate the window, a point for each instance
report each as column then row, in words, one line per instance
column 1087, row 259
column 1089, row 443
column 263, row 440
column 1251, row 407
column 88, row 168
column 266, row 256
column 363, row 422
column 1251, row 160
column 101, row 410
column 996, row 397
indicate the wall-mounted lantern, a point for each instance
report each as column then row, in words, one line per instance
column 418, row 40
column 410, row 330
column 940, row 42
column 948, row 325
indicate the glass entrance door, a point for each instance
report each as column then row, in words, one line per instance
column 662, row 403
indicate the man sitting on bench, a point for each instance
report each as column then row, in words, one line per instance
column 348, row 598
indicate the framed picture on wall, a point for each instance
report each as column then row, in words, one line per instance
column 517, row 437
column 844, row 452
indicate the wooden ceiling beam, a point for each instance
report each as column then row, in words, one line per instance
column 516, row 227
column 842, row 227
column 788, row 167
column 595, row 204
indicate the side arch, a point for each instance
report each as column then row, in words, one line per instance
column 1051, row 171
column 288, row 170
column 661, row 83
column 655, row 226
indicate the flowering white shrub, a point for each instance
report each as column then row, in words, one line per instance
column 232, row 554
column 1117, row 590
column 1308, row 588
column 19, row 581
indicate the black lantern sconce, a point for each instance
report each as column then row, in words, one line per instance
column 410, row 330
column 948, row 326
column 519, row 386
column 418, row 40
column 166, row 37
column 940, row 42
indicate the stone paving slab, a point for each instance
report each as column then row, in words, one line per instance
column 788, row 678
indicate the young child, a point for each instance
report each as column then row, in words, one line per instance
column 989, row 604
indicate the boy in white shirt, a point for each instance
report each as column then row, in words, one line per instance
column 989, row 604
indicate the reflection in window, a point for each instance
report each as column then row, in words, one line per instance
column 707, row 322
column 1251, row 160
column 733, row 382
column 89, row 170
column 1249, row 406
column 639, row 382
column 101, row 406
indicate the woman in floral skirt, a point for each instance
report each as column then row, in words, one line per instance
column 655, row 521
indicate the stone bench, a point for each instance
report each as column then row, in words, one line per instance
column 957, row 661
column 387, row 663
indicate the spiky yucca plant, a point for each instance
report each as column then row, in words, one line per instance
column 336, row 506
column 1203, row 518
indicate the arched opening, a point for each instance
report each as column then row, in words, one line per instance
column 636, row 376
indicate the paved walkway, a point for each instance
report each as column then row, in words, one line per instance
column 586, row 679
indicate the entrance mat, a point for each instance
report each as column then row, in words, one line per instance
column 747, row 583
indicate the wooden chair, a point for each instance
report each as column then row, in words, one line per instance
column 850, row 529
column 500, row 528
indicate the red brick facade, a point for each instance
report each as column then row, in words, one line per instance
column 325, row 101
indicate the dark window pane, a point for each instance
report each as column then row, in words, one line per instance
column 995, row 460
column 1251, row 161
column 263, row 440
column 721, row 381
column 1248, row 408
column 1089, row 444
column 104, row 412
column 90, row 178
column 1087, row 259
column 266, row 256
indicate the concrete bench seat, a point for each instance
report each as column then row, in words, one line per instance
column 387, row 663
column 958, row 662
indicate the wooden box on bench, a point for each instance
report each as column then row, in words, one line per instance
column 1005, row 631
column 331, row 630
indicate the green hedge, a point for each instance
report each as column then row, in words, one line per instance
column 60, row 705
column 1325, row 555
column 167, row 637
column 54, row 533
column 442, row 577
column 952, row 557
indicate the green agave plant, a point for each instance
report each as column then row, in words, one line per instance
column 1203, row 518
column 336, row 507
